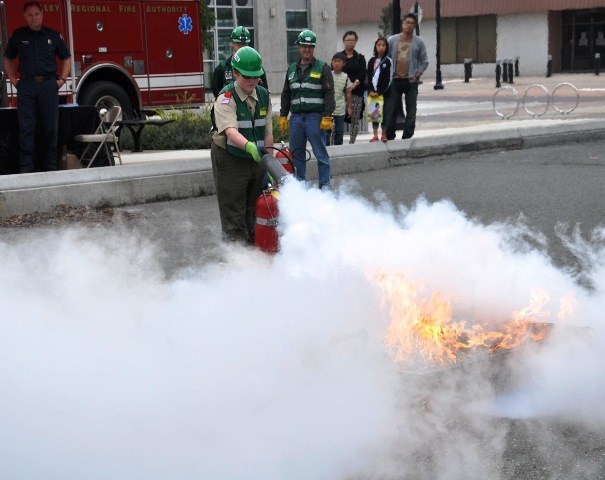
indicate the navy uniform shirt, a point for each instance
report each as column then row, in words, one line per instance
column 36, row 50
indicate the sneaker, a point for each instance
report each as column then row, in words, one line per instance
column 375, row 139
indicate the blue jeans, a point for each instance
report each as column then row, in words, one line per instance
column 335, row 136
column 394, row 107
column 303, row 127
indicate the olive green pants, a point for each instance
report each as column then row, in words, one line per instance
column 238, row 183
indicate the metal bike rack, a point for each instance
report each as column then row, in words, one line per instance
column 545, row 90
column 554, row 93
column 500, row 114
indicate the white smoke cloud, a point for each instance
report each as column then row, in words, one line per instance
column 263, row 367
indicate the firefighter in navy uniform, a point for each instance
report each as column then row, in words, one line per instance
column 223, row 73
column 37, row 85
column 242, row 124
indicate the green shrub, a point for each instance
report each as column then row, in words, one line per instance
column 190, row 130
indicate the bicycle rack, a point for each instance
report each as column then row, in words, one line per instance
column 554, row 92
column 545, row 90
column 550, row 99
column 500, row 114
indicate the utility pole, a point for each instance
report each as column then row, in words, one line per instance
column 396, row 17
column 417, row 22
column 438, row 84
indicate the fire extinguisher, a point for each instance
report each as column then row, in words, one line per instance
column 265, row 228
column 284, row 156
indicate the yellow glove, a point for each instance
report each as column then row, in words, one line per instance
column 326, row 123
column 283, row 123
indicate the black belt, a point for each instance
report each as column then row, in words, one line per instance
column 401, row 79
column 39, row 78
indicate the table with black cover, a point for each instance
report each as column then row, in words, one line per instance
column 73, row 120
column 135, row 127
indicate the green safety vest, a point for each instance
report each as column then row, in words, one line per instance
column 251, row 128
column 227, row 71
column 307, row 93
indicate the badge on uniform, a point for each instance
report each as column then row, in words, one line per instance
column 229, row 75
column 226, row 98
column 263, row 112
column 315, row 75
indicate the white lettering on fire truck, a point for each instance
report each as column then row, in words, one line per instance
column 127, row 8
column 168, row 9
column 91, row 8
column 51, row 8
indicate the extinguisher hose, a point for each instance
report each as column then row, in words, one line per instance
column 285, row 152
column 307, row 154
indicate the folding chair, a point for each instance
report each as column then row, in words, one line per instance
column 104, row 135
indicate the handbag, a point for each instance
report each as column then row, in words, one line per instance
column 375, row 109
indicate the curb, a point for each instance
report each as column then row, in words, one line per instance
column 178, row 179
column 98, row 187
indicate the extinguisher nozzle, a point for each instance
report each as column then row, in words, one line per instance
column 277, row 173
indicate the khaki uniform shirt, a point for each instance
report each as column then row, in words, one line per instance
column 225, row 114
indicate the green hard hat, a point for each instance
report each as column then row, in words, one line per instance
column 307, row 37
column 247, row 61
column 240, row 35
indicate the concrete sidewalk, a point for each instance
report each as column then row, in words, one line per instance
column 155, row 176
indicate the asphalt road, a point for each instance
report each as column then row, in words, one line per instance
column 550, row 190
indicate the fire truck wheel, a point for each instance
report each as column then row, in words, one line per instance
column 106, row 95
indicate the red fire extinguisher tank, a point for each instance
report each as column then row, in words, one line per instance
column 265, row 229
column 284, row 156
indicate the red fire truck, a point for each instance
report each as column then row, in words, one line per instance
column 134, row 53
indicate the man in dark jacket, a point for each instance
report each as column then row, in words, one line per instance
column 223, row 73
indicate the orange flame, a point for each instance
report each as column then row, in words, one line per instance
column 424, row 329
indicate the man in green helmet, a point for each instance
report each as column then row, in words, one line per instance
column 308, row 95
column 223, row 73
column 242, row 124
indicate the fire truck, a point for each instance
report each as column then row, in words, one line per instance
column 138, row 54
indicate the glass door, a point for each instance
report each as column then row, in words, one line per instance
column 583, row 37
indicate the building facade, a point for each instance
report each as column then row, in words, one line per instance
column 572, row 32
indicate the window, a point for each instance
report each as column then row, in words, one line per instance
column 468, row 37
column 296, row 21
